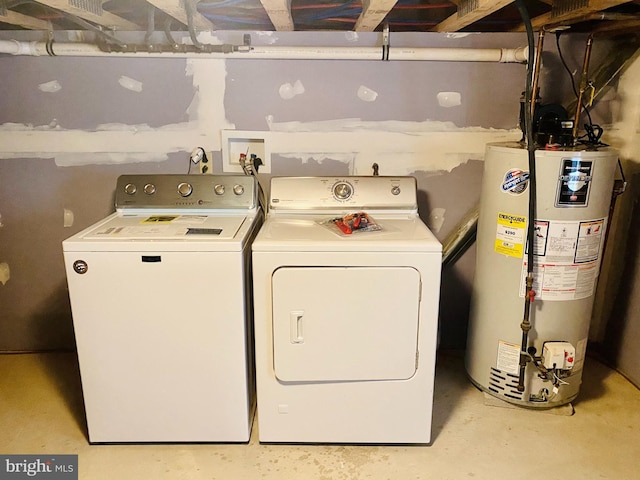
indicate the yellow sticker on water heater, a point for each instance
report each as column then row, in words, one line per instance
column 510, row 234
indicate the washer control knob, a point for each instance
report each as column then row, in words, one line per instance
column 185, row 189
column 238, row 189
column 80, row 266
column 219, row 189
column 395, row 190
column 149, row 189
column 130, row 189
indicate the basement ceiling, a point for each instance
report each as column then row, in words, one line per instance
column 593, row 16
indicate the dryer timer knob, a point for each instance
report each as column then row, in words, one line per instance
column 395, row 190
column 238, row 189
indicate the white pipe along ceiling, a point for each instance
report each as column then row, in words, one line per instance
column 501, row 55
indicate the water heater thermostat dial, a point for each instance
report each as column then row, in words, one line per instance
column 342, row 191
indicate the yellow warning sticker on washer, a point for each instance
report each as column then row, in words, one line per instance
column 155, row 219
column 510, row 234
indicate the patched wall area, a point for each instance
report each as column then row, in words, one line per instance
column 70, row 126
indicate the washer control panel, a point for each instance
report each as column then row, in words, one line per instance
column 336, row 193
column 186, row 191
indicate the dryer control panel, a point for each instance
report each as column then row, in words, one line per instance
column 336, row 193
column 200, row 192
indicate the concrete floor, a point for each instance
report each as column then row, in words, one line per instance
column 41, row 412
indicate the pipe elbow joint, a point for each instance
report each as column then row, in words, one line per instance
column 514, row 55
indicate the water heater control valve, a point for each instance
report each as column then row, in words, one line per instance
column 558, row 355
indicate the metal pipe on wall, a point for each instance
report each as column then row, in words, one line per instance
column 584, row 78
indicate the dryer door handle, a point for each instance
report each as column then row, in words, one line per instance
column 295, row 319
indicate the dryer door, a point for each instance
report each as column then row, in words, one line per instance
column 345, row 323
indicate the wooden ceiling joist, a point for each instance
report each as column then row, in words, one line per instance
column 24, row 21
column 279, row 12
column 104, row 18
column 573, row 16
column 373, row 13
column 619, row 26
column 458, row 21
column 175, row 9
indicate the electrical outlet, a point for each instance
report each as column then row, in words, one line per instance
column 235, row 142
column 206, row 166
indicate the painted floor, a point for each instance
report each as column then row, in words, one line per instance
column 41, row 412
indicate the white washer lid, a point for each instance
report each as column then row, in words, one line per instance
column 161, row 226
column 164, row 232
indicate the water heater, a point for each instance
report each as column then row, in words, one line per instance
column 573, row 189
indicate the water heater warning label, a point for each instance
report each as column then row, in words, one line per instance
column 508, row 359
column 566, row 259
column 510, row 234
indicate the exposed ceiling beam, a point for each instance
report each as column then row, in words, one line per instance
column 609, row 20
column 24, row 21
column 175, row 9
column 102, row 17
column 618, row 26
column 279, row 12
column 373, row 13
column 594, row 6
column 477, row 11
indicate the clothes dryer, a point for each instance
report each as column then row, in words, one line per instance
column 346, row 312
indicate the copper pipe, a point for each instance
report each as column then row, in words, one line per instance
column 583, row 86
column 536, row 72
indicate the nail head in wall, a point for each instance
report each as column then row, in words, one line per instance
column 130, row 84
column 366, row 94
column 67, row 218
column 449, row 99
column 50, row 87
column 288, row 91
column 5, row 273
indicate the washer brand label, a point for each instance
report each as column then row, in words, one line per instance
column 510, row 234
column 515, row 181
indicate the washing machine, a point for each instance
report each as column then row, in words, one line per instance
column 161, row 300
column 346, row 289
